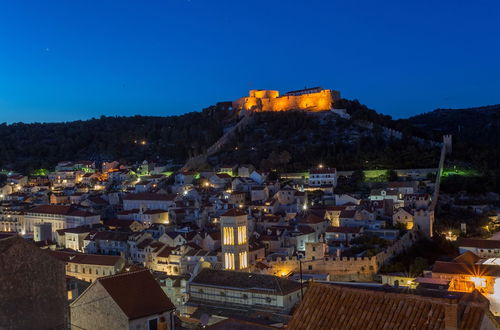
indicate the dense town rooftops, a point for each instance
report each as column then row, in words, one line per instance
column 323, row 171
column 68, row 210
column 344, row 230
column 236, row 324
column 233, row 213
column 347, row 214
column 479, row 243
column 245, row 281
column 150, row 197
column 137, row 293
column 342, row 307
column 86, row 259
column 466, row 264
column 312, row 219
column 118, row 223
column 76, row 230
column 108, row 236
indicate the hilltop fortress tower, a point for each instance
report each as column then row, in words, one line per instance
column 310, row 99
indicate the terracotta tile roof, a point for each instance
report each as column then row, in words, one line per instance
column 155, row 211
column 312, row 219
column 144, row 243
column 246, row 281
column 444, row 267
column 60, row 210
column 137, row 293
column 109, row 236
column 233, row 213
column 479, row 243
column 400, row 184
column 349, row 214
column 345, row 230
column 305, row 230
column 223, row 176
column 468, row 258
column 323, row 171
column 166, row 252
column 86, row 259
column 235, row 324
column 118, row 223
column 150, row 197
column 77, row 230
column 342, row 307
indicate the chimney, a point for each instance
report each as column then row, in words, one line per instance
column 451, row 318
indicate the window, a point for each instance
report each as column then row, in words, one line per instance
column 310, row 267
column 153, row 324
column 245, row 296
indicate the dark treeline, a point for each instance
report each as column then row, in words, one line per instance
column 290, row 141
column 25, row 147
column 295, row 141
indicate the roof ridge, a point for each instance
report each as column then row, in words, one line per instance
column 127, row 272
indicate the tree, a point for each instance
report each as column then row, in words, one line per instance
column 392, row 175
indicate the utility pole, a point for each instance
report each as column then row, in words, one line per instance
column 301, row 280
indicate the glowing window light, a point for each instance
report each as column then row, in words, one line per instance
column 479, row 282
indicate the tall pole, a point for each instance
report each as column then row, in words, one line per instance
column 301, row 281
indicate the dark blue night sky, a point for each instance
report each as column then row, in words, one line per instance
column 76, row 59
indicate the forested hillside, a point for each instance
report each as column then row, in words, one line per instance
column 288, row 141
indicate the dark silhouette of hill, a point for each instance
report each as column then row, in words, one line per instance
column 291, row 141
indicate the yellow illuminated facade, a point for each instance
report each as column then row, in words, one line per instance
column 242, row 235
column 228, row 235
column 229, row 261
column 313, row 99
column 243, row 259
column 234, row 230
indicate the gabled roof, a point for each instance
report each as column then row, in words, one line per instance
column 69, row 210
column 233, row 213
column 323, row 171
column 467, row 258
column 166, row 252
column 347, row 214
column 149, row 197
column 343, row 307
column 246, row 281
column 312, row 219
column 109, row 236
column 118, row 223
column 86, row 259
column 236, row 324
column 223, row 176
column 137, row 293
column 479, row 243
column 344, row 230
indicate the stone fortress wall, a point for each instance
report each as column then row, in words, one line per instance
column 361, row 269
column 311, row 99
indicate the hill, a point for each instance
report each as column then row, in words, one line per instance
column 296, row 140
column 287, row 141
column 26, row 147
column 474, row 130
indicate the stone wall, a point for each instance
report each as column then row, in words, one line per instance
column 359, row 269
column 271, row 101
column 97, row 310
column 33, row 292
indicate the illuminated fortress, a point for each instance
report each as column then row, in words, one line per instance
column 310, row 99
